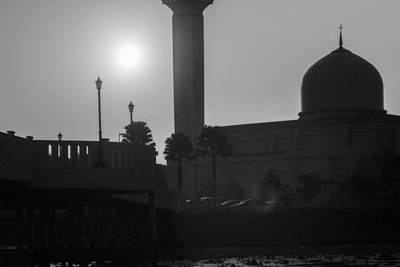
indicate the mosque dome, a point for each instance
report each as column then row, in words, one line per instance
column 341, row 83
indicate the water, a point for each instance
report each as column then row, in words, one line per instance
column 376, row 259
column 366, row 255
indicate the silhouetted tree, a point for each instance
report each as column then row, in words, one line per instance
column 312, row 184
column 271, row 182
column 288, row 196
column 138, row 132
column 206, row 187
column 213, row 142
column 178, row 147
column 234, row 190
column 390, row 188
column 361, row 185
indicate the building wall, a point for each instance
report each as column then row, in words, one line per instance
column 330, row 147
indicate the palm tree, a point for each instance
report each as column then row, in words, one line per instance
column 271, row 184
column 234, row 190
column 178, row 147
column 213, row 142
column 138, row 132
column 362, row 186
column 312, row 184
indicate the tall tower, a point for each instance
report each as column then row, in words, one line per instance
column 188, row 56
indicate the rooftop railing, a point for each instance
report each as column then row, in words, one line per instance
column 85, row 154
column 17, row 152
column 71, row 165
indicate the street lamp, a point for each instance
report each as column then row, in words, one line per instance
column 59, row 149
column 100, row 162
column 131, row 106
column 195, row 163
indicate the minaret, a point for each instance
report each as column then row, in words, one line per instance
column 188, row 56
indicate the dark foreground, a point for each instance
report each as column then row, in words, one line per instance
column 297, row 260
column 293, row 227
column 338, row 255
column 345, row 255
column 284, row 237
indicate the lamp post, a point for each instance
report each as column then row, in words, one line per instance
column 131, row 106
column 100, row 162
column 59, row 149
column 195, row 163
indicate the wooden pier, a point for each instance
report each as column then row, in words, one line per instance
column 55, row 206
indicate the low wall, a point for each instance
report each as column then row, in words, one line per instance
column 306, row 226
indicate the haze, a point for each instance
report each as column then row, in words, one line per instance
column 256, row 52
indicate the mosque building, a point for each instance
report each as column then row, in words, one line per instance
column 342, row 126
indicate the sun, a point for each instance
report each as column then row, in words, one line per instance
column 129, row 56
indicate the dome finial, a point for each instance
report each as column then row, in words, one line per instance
column 340, row 37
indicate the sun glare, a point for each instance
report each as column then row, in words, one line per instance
column 129, row 56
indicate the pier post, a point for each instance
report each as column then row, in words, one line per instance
column 19, row 225
column 94, row 229
column 131, row 228
column 80, row 225
column 152, row 216
column 30, row 228
column 30, row 235
column 52, row 226
column 76, row 226
column 44, row 228
column 154, row 252
column 121, row 227
column 106, row 223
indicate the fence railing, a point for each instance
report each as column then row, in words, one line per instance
column 85, row 154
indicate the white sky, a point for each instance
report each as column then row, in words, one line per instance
column 256, row 52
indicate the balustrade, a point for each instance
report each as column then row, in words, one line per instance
column 81, row 154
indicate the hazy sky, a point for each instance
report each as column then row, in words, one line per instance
column 256, row 52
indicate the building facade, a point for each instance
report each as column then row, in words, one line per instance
column 343, row 131
column 342, row 128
